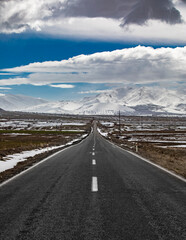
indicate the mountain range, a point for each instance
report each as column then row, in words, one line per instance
column 127, row 100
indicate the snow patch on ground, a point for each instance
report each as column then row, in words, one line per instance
column 108, row 124
column 74, row 124
column 15, row 124
column 11, row 161
column 73, row 130
column 102, row 133
column 174, row 146
column 16, row 134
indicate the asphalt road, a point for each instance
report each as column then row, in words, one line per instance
column 93, row 190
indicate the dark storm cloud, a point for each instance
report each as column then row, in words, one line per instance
column 145, row 10
column 133, row 11
column 99, row 8
column 19, row 15
column 15, row 21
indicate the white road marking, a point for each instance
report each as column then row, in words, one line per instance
column 93, row 162
column 93, row 153
column 94, row 184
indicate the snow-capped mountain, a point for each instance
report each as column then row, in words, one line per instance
column 64, row 107
column 12, row 102
column 130, row 101
column 143, row 100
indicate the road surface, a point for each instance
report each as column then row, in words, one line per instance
column 93, row 190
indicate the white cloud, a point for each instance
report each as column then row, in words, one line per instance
column 110, row 30
column 5, row 88
column 96, row 91
column 4, row 74
column 148, row 19
column 62, row 86
column 139, row 65
column 13, row 81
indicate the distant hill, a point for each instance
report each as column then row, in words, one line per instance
column 130, row 101
column 1, row 110
column 12, row 102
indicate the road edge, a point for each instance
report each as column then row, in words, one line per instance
column 146, row 160
column 40, row 162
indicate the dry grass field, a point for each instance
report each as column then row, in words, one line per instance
column 20, row 133
column 161, row 140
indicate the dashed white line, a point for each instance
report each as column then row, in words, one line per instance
column 93, row 162
column 94, row 184
column 93, row 153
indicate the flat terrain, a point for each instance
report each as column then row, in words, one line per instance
column 27, row 138
column 93, row 190
column 160, row 139
column 27, row 132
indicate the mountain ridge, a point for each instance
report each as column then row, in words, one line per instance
column 127, row 100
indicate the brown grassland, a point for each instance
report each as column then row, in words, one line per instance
column 16, row 139
column 159, row 143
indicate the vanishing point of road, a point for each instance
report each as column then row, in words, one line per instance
column 93, row 190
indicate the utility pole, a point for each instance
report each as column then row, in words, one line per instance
column 119, row 123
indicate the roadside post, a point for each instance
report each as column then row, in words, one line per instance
column 136, row 147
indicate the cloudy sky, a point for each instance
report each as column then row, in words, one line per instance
column 68, row 49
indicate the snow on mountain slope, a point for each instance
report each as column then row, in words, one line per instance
column 103, row 108
column 18, row 102
column 65, row 107
column 165, row 100
column 130, row 101
column 156, row 96
column 143, row 100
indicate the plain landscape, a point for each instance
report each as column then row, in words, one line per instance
column 86, row 188
column 27, row 138
column 159, row 139
column 93, row 120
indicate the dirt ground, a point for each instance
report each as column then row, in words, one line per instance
column 23, row 133
column 158, row 142
column 21, row 166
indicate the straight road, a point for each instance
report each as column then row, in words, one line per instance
column 93, row 190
